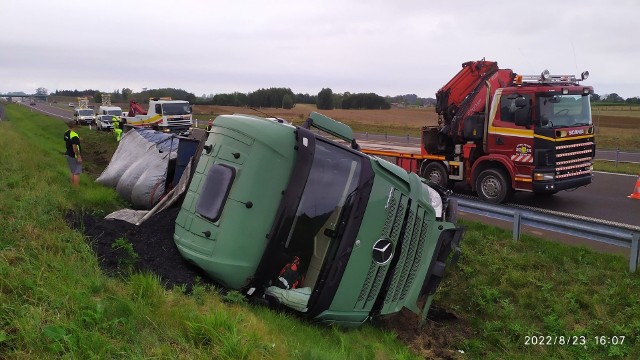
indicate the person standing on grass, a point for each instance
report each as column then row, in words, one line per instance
column 73, row 154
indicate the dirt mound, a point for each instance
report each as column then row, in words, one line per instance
column 122, row 247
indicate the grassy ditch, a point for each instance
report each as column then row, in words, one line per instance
column 55, row 302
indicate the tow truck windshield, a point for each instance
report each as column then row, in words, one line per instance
column 176, row 109
column 565, row 111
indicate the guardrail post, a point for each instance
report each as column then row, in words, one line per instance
column 516, row 225
column 407, row 138
column 617, row 156
column 366, row 136
column 635, row 253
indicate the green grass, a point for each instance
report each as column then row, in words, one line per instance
column 56, row 303
column 533, row 287
column 620, row 167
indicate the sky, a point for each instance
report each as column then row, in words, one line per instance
column 386, row 47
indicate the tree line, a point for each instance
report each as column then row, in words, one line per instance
column 275, row 97
column 126, row 95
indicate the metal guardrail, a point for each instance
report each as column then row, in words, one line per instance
column 605, row 232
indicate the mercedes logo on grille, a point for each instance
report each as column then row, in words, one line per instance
column 382, row 251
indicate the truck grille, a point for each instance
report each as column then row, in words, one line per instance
column 406, row 226
column 179, row 122
column 574, row 158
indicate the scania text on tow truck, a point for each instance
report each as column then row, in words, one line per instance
column 500, row 132
column 364, row 237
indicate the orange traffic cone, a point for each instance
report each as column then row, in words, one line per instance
column 636, row 190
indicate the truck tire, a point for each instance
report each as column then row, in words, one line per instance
column 437, row 173
column 493, row 185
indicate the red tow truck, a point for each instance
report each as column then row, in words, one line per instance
column 500, row 132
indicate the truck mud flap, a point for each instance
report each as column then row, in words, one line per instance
column 448, row 242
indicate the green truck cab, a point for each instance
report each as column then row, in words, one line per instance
column 371, row 238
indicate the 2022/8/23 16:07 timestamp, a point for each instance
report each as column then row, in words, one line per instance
column 600, row 340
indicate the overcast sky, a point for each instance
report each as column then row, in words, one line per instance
column 387, row 47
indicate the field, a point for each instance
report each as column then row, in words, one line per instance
column 393, row 121
column 57, row 299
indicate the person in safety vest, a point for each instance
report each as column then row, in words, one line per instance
column 290, row 277
column 73, row 153
column 116, row 127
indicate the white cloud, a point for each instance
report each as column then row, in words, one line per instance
column 359, row 46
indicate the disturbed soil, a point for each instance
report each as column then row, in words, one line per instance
column 122, row 248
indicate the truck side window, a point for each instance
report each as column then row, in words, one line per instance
column 508, row 106
column 158, row 109
column 215, row 191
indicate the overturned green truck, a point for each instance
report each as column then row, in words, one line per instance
column 370, row 237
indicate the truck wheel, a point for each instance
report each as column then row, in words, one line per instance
column 436, row 173
column 493, row 186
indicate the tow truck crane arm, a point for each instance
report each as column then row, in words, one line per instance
column 464, row 95
column 135, row 109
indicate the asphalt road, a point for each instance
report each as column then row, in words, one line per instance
column 57, row 111
column 605, row 198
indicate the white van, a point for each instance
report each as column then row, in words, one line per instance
column 110, row 110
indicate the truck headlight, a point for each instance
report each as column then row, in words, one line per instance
column 543, row 176
column 436, row 201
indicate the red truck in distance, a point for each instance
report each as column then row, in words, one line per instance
column 500, row 132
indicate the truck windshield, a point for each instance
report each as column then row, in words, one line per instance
column 334, row 174
column 564, row 110
column 86, row 112
column 114, row 112
column 176, row 109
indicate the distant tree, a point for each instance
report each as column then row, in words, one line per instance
column 336, row 99
column 325, row 99
column 126, row 94
column 595, row 98
column 365, row 101
column 633, row 100
column 613, row 97
column 97, row 97
column 42, row 91
column 287, row 101
column 175, row 94
column 305, row 99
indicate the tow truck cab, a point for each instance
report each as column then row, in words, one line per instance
column 371, row 237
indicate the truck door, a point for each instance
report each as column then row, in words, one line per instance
column 507, row 138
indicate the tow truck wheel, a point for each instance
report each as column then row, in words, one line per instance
column 492, row 185
column 436, row 173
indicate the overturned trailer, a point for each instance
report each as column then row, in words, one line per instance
column 147, row 165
